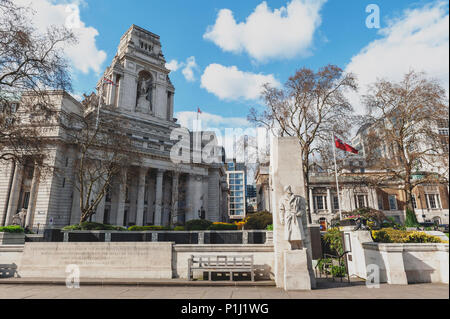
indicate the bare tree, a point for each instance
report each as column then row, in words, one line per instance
column 31, row 64
column 104, row 150
column 403, row 141
column 310, row 106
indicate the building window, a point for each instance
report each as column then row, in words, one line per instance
column 361, row 201
column 392, row 202
column 413, row 200
column 380, row 203
column 335, row 202
column 433, row 201
column 320, row 202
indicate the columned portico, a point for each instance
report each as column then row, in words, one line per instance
column 121, row 197
column 141, row 196
column 311, row 200
column 175, row 182
column 15, row 193
column 329, row 201
column 33, row 193
column 159, row 197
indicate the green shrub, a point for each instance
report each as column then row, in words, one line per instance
column 338, row 271
column 222, row 226
column 147, row 228
column 411, row 219
column 93, row 226
column 179, row 228
column 334, row 240
column 269, row 227
column 198, row 224
column 321, row 264
column 11, row 229
column 259, row 220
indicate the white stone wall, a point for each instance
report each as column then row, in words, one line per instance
column 403, row 264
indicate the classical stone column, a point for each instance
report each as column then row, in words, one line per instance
column 311, row 200
column 121, row 197
column 175, row 182
column 329, row 201
column 33, row 194
column 140, row 196
column 100, row 213
column 159, row 196
column 15, row 193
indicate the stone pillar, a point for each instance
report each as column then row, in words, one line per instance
column 140, row 196
column 159, row 197
column 293, row 268
column 33, row 195
column 175, row 182
column 121, row 197
column 15, row 193
column 311, row 200
column 329, row 201
column 100, row 213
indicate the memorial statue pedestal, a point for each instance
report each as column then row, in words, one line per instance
column 297, row 270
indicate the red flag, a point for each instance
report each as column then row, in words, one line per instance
column 108, row 81
column 199, row 111
column 345, row 147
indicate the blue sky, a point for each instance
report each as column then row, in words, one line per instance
column 412, row 34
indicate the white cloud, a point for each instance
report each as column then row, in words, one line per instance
column 419, row 40
column 208, row 120
column 229, row 83
column 173, row 65
column 282, row 33
column 84, row 56
column 188, row 70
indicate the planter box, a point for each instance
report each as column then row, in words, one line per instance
column 409, row 263
column 12, row 238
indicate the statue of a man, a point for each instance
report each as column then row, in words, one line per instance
column 144, row 96
column 291, row 210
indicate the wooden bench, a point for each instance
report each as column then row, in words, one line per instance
column 8, row 270
column 228, row 264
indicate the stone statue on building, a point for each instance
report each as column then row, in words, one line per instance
column 19, row 218
column 144, row 95
column 292, row 207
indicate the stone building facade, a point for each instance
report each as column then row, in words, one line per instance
column 140, row 96
column 431, row 202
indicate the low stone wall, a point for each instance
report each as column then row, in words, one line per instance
column 12, row 238
column 97, row 260
column 263, row 257
column 409, row 263
column 124, row 260
column 10, row 255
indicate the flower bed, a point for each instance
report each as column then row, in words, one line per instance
column 390, row 235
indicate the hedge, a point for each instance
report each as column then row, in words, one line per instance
column 93, row 226
column 11, row 229
column 147, row 228
column 259, row 220
column 198, row 224
column 223, row 226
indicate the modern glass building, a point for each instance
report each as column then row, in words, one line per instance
column 237, row 180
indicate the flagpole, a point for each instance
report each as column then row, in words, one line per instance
column 336, row 174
